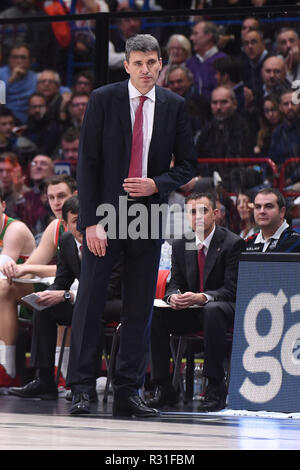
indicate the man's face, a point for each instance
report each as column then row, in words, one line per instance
column 70, row 150
column 143, row 68
column 47, row 85
column 273, row 71
column 201, row 216
column 130, row 27
column 41, row 168
column 19, row 57
column 6, row 176
column 199, row 38
column 286, row 41
column 83, row 85
column 222, row 104
column 249, row 24
column 267, row 214
column 78, row 106
column 289, row 109
column 57, row 194
column 178, row 82
column 253, row 45
column 37, row 107
column 72, row 226
column 7, row 123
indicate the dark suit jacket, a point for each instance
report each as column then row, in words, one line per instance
column 105, row 148
column 221, row 266
column 68, row 263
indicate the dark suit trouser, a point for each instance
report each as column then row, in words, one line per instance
column 44, row 334
column 141, row 261
column 213, row 319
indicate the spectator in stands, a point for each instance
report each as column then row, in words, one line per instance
column 9, row 166
column 84, row 82
column 285, row 141
column 255, row 54
column 20, row 81
column 274, row 76
column 75, row 110
column 38, row 264
column 275, row 234
column 68, row 150
column 250, row 23
column 178, row 49
column 270, row 118
column 244, row 206
column 41, row 130
column 31, row 208
column 228, row 72
column 180, row 81
column 204, row 37
column 226, row 135
column 125, row 28
column 287, row 45
column 58, row 301
column 12, row 139
column 38, row 35
column 210, row 284
column 48, row 84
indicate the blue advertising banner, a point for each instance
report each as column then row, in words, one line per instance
column 265, row 361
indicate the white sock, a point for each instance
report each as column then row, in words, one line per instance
column 65, row 361
column 8, row 359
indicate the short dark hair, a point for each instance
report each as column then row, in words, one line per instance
column 4, row 112
column 230, row 65
column 67, row 179
column 210, row 196
column 142, row 43
column 280, row 198
column 70, row 205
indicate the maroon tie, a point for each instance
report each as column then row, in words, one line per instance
column 135, row 169
column 201, row 263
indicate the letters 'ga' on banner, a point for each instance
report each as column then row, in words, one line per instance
column 265, row 361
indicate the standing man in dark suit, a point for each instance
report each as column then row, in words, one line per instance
column 129, row 134
column 204, row 272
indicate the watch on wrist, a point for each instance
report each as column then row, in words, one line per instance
column 67, row 296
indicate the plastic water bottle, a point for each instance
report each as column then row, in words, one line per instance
column 165, row 257
column 198, row 380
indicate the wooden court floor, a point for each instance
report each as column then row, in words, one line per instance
column 46, row 425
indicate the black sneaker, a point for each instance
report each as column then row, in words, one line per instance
column 36, row 389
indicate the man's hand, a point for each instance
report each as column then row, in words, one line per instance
column 186, row 300
column 96, row 239
column 17, row 73
column 140, row 187
column 49, row 298
column 12, row 269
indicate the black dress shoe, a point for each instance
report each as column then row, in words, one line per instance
column 163, row 396
column 93, row 396
column 215, row 398
column 133, row 406
column 36, row 389
column 80, row 403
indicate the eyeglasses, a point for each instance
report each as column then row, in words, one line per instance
column 44, row 164
column 76, row 105
column 47, row 80
column 81, row 82
column 37, row 106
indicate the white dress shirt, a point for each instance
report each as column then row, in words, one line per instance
column 148, row 118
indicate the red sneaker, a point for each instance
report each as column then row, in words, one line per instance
column 61, row 380
column 6, row 380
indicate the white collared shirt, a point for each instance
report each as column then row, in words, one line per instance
column 212, row 51
column 275, row 236
column 148, row 118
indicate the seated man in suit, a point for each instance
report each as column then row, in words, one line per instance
column 275, row 233
column 204, row 272
column 58, row 301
